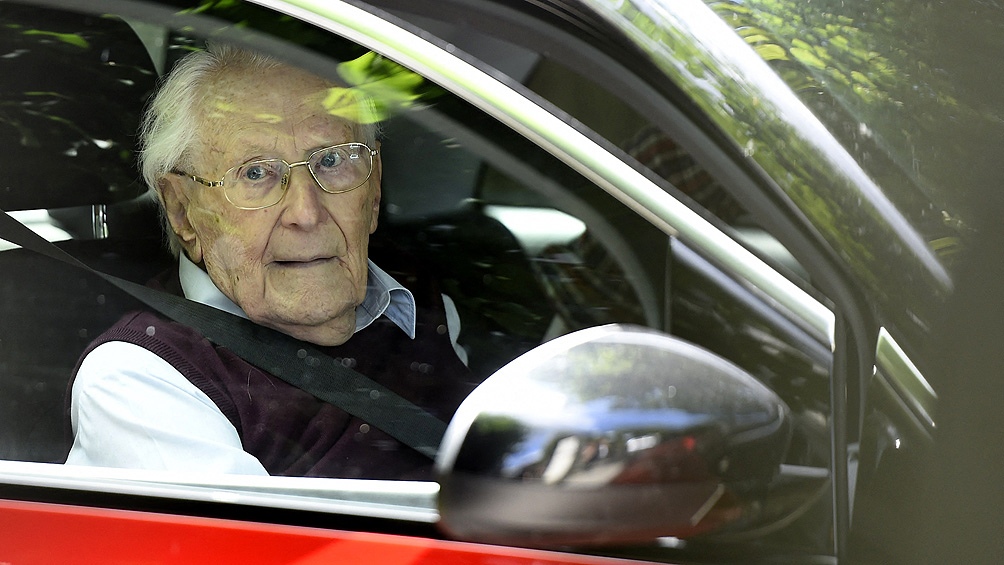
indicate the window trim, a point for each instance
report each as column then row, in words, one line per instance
column 410, row 501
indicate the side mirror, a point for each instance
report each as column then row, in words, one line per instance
column 609, row 435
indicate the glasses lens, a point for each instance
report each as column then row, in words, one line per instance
column 256, row 184
column 342, row 167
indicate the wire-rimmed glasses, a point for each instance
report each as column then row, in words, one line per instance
column 262, row 183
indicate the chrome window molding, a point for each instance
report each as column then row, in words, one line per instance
column 906, row 380
column 413, row 501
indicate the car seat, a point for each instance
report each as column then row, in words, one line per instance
column 71, row 96
column 430, row 210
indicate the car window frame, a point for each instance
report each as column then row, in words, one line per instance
column 591, row 156
column 588, row 154
column 515, row 106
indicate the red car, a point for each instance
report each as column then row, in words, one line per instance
column 699, row 255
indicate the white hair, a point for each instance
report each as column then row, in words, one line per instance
column 170, row 127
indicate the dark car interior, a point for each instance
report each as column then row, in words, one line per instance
column 72, row 134
column 68, row 128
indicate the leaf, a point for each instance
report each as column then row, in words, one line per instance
column 840, row 41
column 378, row 87
column 771, row 52
column 70, row 38
column 862, row 79
column 754, row 39
column 807, row 58
column 799, row 44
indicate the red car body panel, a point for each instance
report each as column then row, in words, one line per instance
column 37, row 533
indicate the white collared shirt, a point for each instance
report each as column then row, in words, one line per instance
column 131, row 409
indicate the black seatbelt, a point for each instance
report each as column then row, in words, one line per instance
column 296, row 362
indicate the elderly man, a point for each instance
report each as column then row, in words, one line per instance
column 270, row 188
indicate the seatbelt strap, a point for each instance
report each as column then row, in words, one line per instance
column 296, row 362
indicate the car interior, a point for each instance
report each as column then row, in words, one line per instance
column 466, row 214
column 528, row 247
column 69, row 127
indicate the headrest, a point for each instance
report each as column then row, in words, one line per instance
column 73, row 90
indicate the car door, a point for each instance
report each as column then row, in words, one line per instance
column 556, row 179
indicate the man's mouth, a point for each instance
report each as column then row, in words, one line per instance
column 304, row 263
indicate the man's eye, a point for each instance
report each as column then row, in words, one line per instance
column 255, row 172
column 330, row 159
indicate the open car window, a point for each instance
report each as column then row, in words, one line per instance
column 524, row 248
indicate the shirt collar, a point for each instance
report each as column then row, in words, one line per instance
column 384, row 296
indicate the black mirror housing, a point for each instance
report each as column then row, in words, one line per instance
column 609, row 435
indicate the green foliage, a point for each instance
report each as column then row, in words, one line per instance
column 243, row 14
column 815, row 46
column 864, row 67
column 387, row 86
column 375, row 87
column 68, row 38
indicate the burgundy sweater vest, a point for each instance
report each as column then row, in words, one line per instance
column 293, row 433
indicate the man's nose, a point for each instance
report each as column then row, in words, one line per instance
column 302, row 201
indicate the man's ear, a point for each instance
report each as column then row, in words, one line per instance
column 171, row 189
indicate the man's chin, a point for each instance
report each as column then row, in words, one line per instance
column 325, row 337
column 324, row 331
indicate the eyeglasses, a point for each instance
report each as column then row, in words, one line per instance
column 262, row 183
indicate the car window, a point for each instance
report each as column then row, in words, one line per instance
column 524, row 248
column 528, row 249
column 567, row 72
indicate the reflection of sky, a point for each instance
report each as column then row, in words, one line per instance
column 532, row 450
column 552, row 409
column 668, row 420
column 593, row 421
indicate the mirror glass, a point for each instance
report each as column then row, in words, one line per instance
column 609, row 434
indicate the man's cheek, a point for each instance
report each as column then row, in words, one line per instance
column 236, row 265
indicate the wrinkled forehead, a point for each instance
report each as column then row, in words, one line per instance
column 281, row 106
